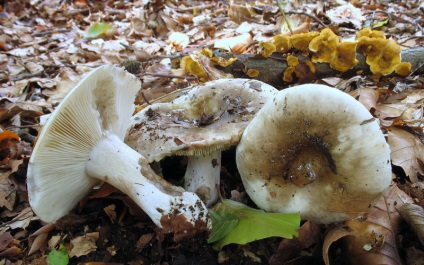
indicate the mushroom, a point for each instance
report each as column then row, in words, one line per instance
column 199, row 124
column 81, row 146
column 344, row 57
column 300, row 41
column 315, row 150
column 324, row 46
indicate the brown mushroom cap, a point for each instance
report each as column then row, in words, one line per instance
column 207, row 118
column 199, row 124
column 315, row 150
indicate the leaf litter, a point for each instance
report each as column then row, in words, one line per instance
column 45, row 50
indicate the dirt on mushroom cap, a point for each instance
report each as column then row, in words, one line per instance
column 205, row 119
column 316, row 150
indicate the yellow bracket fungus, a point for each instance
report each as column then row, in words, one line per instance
column 324, row 46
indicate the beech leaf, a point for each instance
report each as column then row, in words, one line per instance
column 98, row 29
column 224, row 223
column 407, row 152
column 251, row 224
column 414, row 215
column 371, row 240
column 58, row 257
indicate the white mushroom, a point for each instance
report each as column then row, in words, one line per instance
column 81, row 146
column 316, row 150
column 199, row 124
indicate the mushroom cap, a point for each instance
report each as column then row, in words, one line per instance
column 207, row 118
column 301, row 41
column 315, row 150
column 324, row 46
column 344, row 57
column 57, row 177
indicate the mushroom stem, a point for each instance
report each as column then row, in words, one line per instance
column 203, row 176
column 114, row 162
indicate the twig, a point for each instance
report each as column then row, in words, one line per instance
column 25, row 76
column 53, row 31
column 145, row 98
column 308, row 15
column 284, row 16
column 391, row 16
column 410, row 38
column 168, row 76
column 199, row 7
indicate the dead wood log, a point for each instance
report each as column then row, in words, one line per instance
column 271, row 69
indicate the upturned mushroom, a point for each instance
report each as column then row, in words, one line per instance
column 315, row 150
column 199, row 124
column 81, row 146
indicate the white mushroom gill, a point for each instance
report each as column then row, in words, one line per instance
column 81, row 145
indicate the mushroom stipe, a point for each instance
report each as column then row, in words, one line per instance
column 81, row 146
column 199, row 124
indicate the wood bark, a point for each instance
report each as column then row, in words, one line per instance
column 271, row 69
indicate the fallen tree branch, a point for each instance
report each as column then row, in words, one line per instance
column 271, row 69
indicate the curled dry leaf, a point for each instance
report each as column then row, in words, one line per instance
column 367, row 96
column 407, row 152
column 310, row 235
column 345, row 14
column 37, row 243
column 179, row 40
column 414, row 215
column 83, row 245
column 229, row 43
column 371, row 240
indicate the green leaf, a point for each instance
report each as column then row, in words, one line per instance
column 58, row 257
column 98, row 29
column 252, row 224
column 381, row 23
column 223, row 224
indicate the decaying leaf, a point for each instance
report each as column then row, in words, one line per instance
column 407, row 152
column 371, row 240
column 229, row 43
column 345, row 14
column 83, row 245
column 310, row 235
column 37, row 243
column 414, row 215
column 367, row 96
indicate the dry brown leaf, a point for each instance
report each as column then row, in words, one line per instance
column 407, row 152
column 110, row 211
column 367, row 96
column 143, row 241
column 345, row 14
column 37, row 243
column 11, row 252
column 83, row 245
column 5, row 239
column 414, row 215
column 333, row 236
column 309, row 235
column 373, row 239
column 229, row 43
column 240, row 13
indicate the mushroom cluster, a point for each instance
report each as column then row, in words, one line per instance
column 81, row 146
column 199, row 124
column 315, row 150
column 382, row 55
